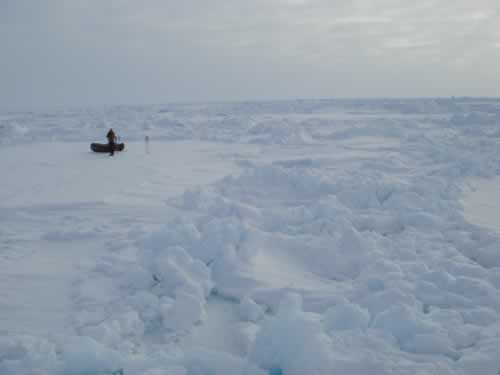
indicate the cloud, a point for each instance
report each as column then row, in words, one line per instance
column 361, row 20
column 127, row 51
column 404, row 43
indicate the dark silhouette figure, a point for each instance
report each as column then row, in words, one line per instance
column 111, row 141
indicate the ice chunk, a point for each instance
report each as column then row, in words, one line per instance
column 346, row 317
column 250, row 311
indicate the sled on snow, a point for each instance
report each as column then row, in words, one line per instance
column 104, row 147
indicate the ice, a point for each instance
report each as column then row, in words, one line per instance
column 206, row 362
column 24, row 354
column 295, row 237
column 251, row 311
column 187, row 310
column 85, row 355
column 293, row 341
column 347, row 316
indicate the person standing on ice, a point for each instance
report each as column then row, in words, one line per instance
column 111, row 141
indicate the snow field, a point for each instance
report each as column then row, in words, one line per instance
column 355, row 260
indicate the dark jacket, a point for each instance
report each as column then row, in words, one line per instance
column 111, row 136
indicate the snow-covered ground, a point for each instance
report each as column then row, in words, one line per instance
column 482, row 202
column 289, row 237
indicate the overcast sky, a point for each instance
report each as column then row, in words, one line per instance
column 92, row 52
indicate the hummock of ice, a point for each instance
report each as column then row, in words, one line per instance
column 332, row 264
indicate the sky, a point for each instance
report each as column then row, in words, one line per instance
column 59, row 53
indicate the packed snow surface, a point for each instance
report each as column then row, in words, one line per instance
column 292, row 237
